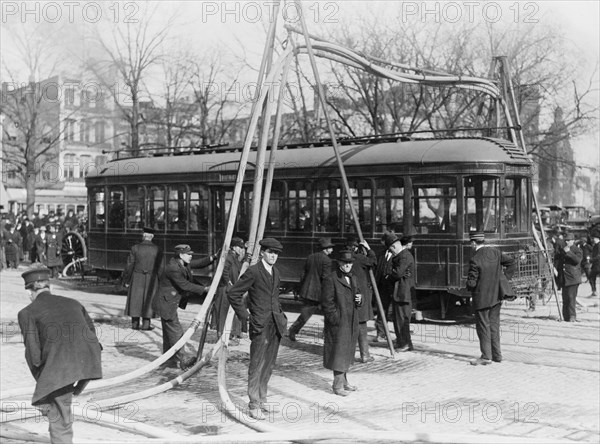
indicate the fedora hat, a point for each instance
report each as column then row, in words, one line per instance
column 325, row 242
column 390, row 239
column 346, row 256
column 477, row 236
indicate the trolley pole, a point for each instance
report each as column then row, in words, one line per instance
column 340, row 163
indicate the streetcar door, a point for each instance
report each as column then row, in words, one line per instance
column 221, row 205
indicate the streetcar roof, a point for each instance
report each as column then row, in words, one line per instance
column 424, row 151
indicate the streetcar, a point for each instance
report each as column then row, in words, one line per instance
column 437, row 190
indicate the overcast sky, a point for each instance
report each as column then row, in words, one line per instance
column 240, row 26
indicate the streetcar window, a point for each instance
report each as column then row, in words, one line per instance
column 434, row 206
column 299, row 206
column 97, row 213
column 481, row 204
column 516, row 203
column 275, row 216
column 328, row 195
column 198, row 208
column 116, row 209
column 135, row 207
column 155, row 210
column 361, row 192
column 389, row 206
column 177, row 208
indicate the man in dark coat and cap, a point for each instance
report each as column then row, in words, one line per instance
column 489, row 286
column 143, row 269
column 231, row 274
column 175, row 286
column 340, row 299
column 569, row 276
column 268, row 322
column 61, row 350
column 316, row 268
column 385, row 285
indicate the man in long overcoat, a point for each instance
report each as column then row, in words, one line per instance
column 144, row 266
column 231, row 274
column 364, row 260
column 569, row 276
column 489, row 285
column 316, row 268
column 53, row 246
column 385, row 285
column 61, row 350
column 175, row 286
column 595, row 261
column 340, row 299
column 268, row 322
column 402, row 275
column 13, row 241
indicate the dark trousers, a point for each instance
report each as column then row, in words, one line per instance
column 592, row 278
column 222, row 308
column 569, row 302
column 487, row 323
column 363, row 340
column 263, row 353
column 57, row 408
column 402, row 315
column 309, row 308
column 386, row 300
column 172, row 332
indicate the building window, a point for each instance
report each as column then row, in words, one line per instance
column 69, row 166
column 70, row 130
column 85, row 162
column 70, row 96
column 84, row 131
column 99, row 132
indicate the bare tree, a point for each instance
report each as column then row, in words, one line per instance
column 31, row 120
column 133, row 49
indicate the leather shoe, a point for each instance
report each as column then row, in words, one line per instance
column 257, row 414
column 380, row 339
column 292, row 336
column 186, row 363
column 404, row 349
column 366, row 359
column 148, row 328
column 341, row 392
column 269, row 408
column 350, row 388
column 481, row 361
column 497, row 360
column 234, row 342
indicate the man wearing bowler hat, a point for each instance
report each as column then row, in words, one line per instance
column 61, row 350
column 144, row 266
column 268, row 322
column 403, row 278
column 176, row 284
column 569, row 276
column 341, row 299
column 489, row 285
column 316, row 268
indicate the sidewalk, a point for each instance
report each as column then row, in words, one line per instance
column 547, row 386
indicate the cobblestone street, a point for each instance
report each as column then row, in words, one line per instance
column 547, row 387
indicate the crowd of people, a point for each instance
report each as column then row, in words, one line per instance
column 36, row 239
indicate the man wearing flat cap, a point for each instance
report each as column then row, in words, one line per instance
column 341, row 298
column 489, row 286
column 316, row 268
column 61, row 350
column 176, row 284
column 268, row 322
column 231, row 273
column 144, row 266
column 569, row 276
